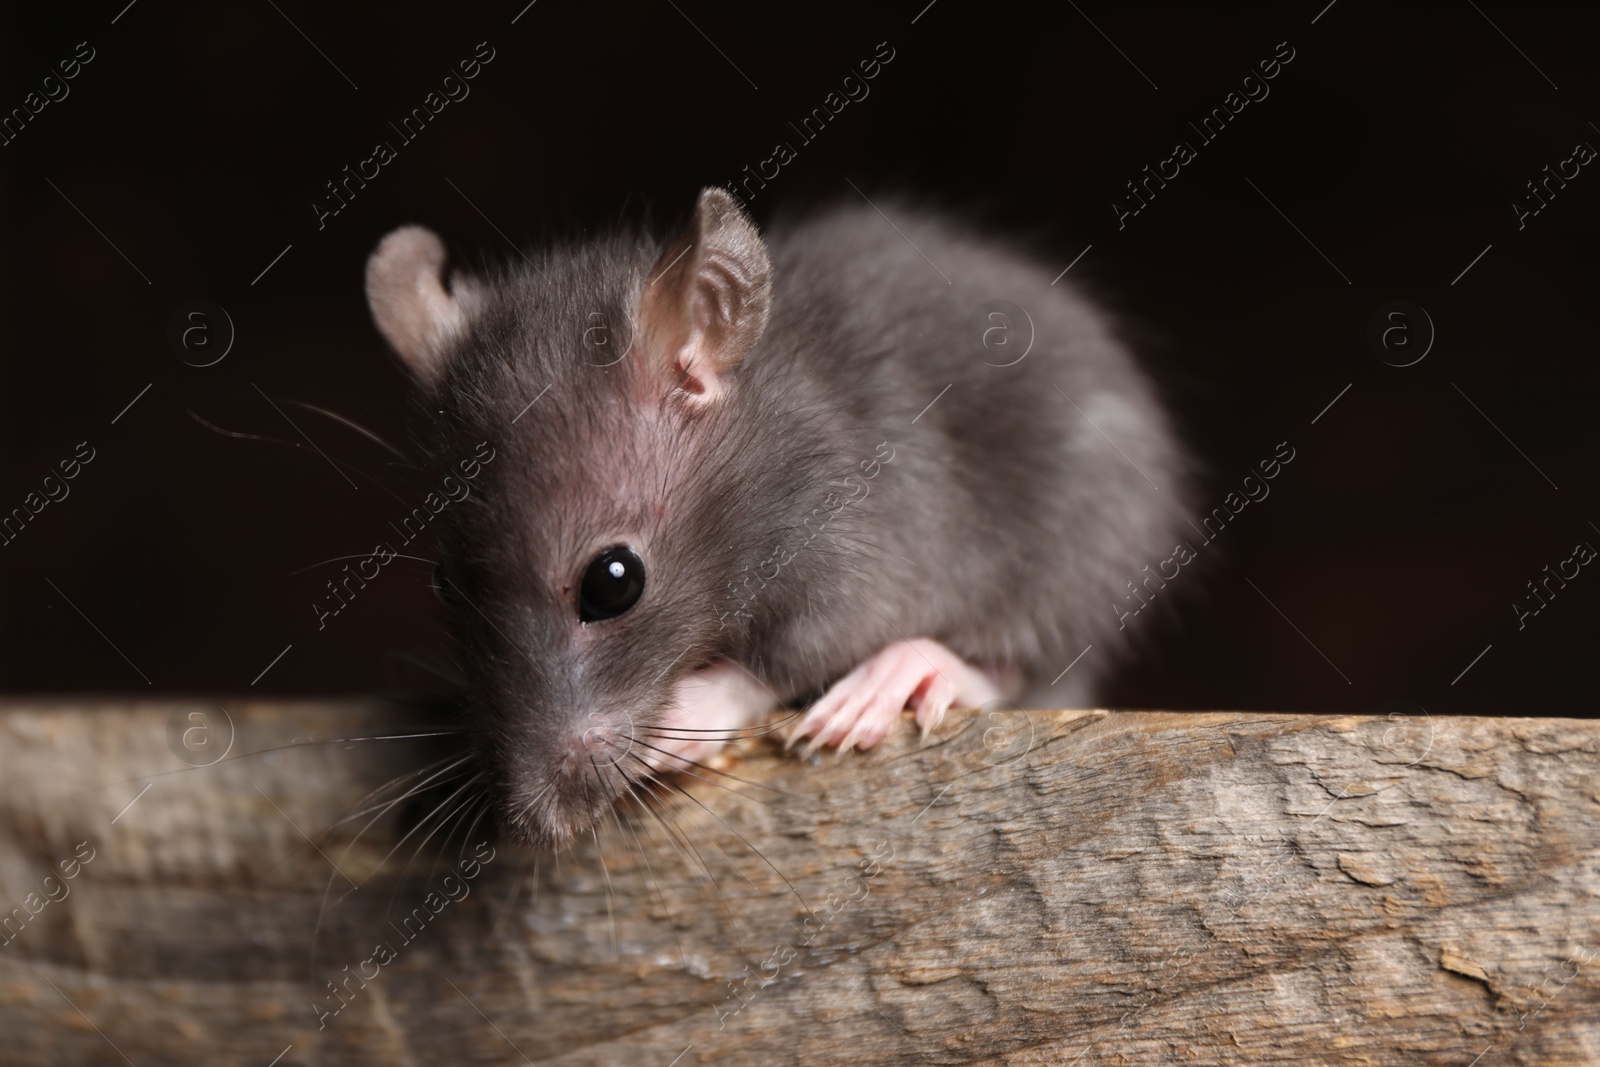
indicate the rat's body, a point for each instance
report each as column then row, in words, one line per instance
column 826, row 460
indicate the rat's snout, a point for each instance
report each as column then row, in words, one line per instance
column 605, row 738
column 554, row 790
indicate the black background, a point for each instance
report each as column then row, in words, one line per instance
column 1396, row 141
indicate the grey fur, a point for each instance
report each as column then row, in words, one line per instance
column 1006, row 525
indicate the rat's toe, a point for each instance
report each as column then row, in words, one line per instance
column 860, row 708
column 937, row 694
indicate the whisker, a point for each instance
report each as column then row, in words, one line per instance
column 386, row 808
column 526, row 808
column 611, row 915
column 487, row 806
column 725, row 774
column 743, row 731
column 455, row 731
column 338, row 464
column 649, row 809
column 454, row 763
column 716, row 887
column 648, row 879
column 741, row 837
column 516, row 890
column 594, row 832
column 245, row 436
column 720, row 850
column 356, row 426
column 460, row 820
column 361, row 555
column 443, row 822
column 415, row 660
column 424, row 821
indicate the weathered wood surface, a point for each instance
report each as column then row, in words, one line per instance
column 1051, row 888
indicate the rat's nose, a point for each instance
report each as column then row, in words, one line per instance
column 604, row 739
column 559, row 788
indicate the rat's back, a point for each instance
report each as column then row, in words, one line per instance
column 1035, row 472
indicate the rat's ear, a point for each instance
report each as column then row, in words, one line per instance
column 706, row 302
column 413, row 310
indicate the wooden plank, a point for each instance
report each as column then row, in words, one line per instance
column 1024, row 888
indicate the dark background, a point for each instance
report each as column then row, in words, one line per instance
column 1396, row 141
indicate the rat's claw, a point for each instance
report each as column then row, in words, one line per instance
column 814, row 720
column 844, row 717
column 935, row 701
column 881, row 712
column 819, row 721
column 860, row 708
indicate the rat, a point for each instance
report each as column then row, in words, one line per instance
column 887, row 462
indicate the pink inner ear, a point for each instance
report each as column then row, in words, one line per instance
column 696, row 375
column 707, row 304
column 688, row 382
column 694, row 365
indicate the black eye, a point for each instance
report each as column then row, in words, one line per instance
column 611, row 584
column 441, row 585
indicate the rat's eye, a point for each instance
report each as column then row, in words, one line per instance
column 611, row 584
column 441, row 585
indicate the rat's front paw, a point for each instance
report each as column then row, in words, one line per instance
column 709, row 708
column 922, row 674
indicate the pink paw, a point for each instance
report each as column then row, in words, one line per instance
column 709, row 708
column 861, row 707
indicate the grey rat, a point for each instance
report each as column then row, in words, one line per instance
column 731, row 471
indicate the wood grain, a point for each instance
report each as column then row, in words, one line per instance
column 1023, row 888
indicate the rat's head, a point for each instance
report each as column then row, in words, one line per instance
column 596, row 439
